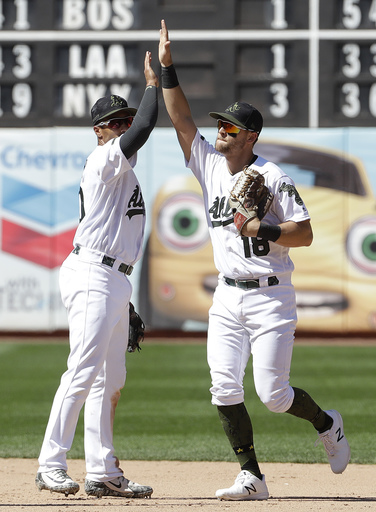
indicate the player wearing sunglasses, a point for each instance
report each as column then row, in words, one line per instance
column 229, row 128
column 116, row 122
column 96, row 292
column 254, row 310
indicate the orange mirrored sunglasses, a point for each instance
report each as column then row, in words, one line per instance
column 228, row 127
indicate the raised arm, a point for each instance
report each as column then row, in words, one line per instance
column 145, row 119
column 176, row 103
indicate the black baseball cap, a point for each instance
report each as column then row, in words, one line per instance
column 109, row 105
column 243, row 115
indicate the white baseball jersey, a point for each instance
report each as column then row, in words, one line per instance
column 111, row 205
column 235, row 256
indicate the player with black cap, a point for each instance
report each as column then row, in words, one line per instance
column 96, row 292
column 253, row 309
column 240, row 115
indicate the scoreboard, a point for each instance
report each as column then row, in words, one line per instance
column 302, row 63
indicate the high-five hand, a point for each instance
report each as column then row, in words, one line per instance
column 164, row 46
column 150, row 77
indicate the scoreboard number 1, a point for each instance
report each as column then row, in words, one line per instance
column 279, row 20
column 21, row 21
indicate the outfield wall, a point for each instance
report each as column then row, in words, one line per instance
column 335, row 279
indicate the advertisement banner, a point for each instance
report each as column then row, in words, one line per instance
column 335, row 173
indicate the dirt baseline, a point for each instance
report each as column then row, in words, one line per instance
column 183, row 486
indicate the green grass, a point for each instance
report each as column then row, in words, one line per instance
column 165, row 411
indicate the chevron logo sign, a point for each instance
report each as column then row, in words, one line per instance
column 35, row 221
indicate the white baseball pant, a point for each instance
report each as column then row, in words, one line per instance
column 96, row 297
column 259, row 321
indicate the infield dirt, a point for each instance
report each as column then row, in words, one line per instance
column 183, row 486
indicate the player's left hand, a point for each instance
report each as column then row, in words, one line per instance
column 249, row 200
column 136, row 330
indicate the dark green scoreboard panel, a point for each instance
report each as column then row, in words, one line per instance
column 303, row 63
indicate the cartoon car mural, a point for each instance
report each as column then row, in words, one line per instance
column 334, row 278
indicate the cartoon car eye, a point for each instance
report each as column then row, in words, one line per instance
column 181, row 222
column 361, row 244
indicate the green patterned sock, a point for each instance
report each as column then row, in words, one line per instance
column 303, row 406
column 238, row 428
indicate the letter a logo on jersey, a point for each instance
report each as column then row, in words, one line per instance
column 136, row 203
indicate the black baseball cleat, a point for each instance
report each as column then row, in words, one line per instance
column 121, row 487
column 56, row 480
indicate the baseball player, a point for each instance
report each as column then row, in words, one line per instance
column 253, row 309
column 96, row 291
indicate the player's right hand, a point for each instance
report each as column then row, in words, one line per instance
column 150, row 77
column 165, row 57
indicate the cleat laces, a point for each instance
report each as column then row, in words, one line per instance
column 328, row 443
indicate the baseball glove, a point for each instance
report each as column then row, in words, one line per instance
column 136, row 330
column 249, row 198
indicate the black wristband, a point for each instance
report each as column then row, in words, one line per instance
column 169, row 77
column 269, row 232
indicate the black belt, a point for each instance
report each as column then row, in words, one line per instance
column 251, row 283
column 107, row 260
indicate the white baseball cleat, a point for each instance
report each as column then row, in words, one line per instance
column 56, row 480
column 246, row 487
column 121, row 487
column 335, row 444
